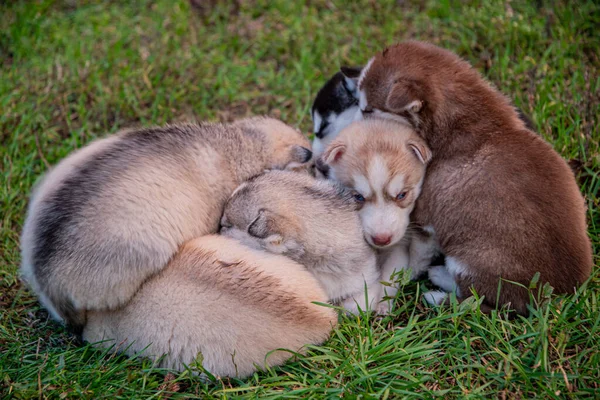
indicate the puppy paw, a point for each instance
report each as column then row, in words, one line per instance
column 441, row 277
column 435, row 297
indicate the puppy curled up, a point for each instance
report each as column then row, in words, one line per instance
column 314, row 223
column 112, row 214
column 221, row 304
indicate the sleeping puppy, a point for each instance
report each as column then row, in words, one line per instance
column 114, row 213
column 503, row 204
column 314, row 223
column 230, row 308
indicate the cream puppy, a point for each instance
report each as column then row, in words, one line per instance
column 384, row 163
column 313, row 222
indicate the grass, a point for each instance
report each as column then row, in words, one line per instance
column 71, row 71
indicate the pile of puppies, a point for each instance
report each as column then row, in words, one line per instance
column 121, row 243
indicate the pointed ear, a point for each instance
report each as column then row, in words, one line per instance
column 263, row 225
column 421, row 150
column 402, row 97
column 333, row 153
column 351, row 75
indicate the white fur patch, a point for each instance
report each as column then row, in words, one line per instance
column 429, row 229
column 455, row 267
column 361, row 185
column 317, row 120
column 441, row 277
column 364, row 71
column 362, row 102
column 318, row 147
column 378, row 174
column 339, row 122
column 396, row 185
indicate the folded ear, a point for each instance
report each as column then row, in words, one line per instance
column 402, row 97
column 351, row 75
column 334, row 152
column 263, row 225
column 421, row 150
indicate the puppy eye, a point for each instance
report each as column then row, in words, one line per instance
column 367, row 110
column 359, row 197
column 401, row 196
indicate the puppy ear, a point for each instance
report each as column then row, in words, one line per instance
column 402, row 98
column 263, row 225
column 278, row 245
column 351, row 75
column 421, row 150
column 333, row 153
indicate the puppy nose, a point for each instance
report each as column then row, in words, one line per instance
column 381, row 240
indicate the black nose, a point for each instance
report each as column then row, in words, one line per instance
column 307, row 155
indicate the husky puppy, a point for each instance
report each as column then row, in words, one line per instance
column 384, row 163
column 222, row 304
column 313, row 222
column 114, row 213
column 503, row 204
column 334, row 107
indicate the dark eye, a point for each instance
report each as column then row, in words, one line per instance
column 359, row 197
column 401, row 196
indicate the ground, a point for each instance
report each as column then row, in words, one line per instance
column 71, row 71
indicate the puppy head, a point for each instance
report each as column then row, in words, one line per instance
column 254, row 217
column 410, row 82
column 287, row 148
column 384, row 163
column 335, row 107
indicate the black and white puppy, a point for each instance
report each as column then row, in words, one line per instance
column 334, row 107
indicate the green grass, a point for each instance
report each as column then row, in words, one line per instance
column 71, row 71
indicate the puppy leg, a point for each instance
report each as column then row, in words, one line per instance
column 441, row 277
column 365, row 302
column 395, row 261
column 423, row 247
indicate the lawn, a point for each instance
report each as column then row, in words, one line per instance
column 72, row 71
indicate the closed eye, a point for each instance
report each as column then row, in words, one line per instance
column 367, row 110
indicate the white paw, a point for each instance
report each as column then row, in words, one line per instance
column 435, row 297
column 441, row 277
column 384, row 307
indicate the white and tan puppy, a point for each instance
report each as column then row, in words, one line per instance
column 114, row 213
column 313, row 222
column 222, row 304
column 384, row 163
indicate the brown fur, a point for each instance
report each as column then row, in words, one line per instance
column 501, row 201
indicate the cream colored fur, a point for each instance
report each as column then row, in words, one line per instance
column 313, row 222
column 114, row 213
column 223, row 304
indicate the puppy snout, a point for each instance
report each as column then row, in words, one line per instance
column 381, row 240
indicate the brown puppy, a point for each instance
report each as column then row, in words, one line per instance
column 503, row 204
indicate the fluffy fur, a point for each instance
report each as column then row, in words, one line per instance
column 384, row 163
column 314, row 223
column 503, row 204
column 219, row 303
column 112, row 214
